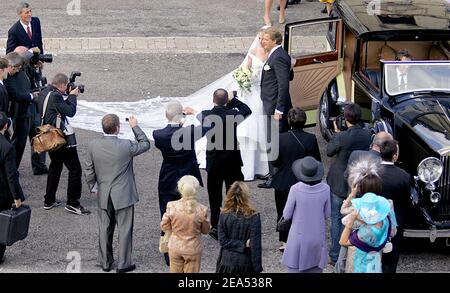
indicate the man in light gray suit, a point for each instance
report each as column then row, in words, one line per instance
column 110, row 170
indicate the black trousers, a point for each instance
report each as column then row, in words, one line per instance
column 283, row 126
column 280, row 202
column 389, row 261
column 69, row 158
column 19, row 139
column 37, row 160
column 216, row 177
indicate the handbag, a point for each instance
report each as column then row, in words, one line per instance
column 48, row 138
column 284, row 225
column 164, row 242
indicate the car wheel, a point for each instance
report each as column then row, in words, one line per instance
column 324, row 116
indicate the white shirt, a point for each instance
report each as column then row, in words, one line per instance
column 399, row 77
column 25, row 27
column 270, row 53
column 1, row 82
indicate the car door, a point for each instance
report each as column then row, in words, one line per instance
column 316, row 46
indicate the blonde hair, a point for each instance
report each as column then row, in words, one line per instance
column 188, row 187
column 274, row 34
column 238, row 200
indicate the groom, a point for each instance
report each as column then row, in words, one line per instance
column 275, row 87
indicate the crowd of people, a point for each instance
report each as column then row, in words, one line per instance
column 365, row 204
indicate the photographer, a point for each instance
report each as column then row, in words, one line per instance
column 67, row 155
column 20, row 97
column 342, row 144
column 32, row 69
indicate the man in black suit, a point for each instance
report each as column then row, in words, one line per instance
column 26, row 31
column 4, row 101
column 397, row 187
column 177, row 146
column 56, row 113
column 342, row 144
column 275, row 86
column 19, row 93
column 223, row 158
column 37, row 160
column 10, row 190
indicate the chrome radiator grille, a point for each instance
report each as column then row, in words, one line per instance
column 444, row 188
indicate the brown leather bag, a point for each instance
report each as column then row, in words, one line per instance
column 48, row 138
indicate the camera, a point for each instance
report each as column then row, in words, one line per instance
column 340, row 122
column 46, row 58
column 127, row 119
column 71, row 86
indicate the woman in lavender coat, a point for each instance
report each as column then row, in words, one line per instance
column 308, row 206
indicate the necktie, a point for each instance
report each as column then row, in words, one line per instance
column 29, row 32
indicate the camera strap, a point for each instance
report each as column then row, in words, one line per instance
column 44, row 109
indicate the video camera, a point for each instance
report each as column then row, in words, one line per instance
column 71, row 86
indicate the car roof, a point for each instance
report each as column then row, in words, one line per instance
column 365, row 16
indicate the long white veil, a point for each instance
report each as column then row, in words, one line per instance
column 150, row 113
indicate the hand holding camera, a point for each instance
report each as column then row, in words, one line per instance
column 132, row 121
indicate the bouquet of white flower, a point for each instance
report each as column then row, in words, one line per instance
column 242, row 76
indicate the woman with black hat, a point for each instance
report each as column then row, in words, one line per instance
column 308, row 206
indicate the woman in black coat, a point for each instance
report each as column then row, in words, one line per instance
column 294, row 144
column 239, row 232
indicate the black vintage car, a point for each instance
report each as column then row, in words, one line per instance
column 351, row 56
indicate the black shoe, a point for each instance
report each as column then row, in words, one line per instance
column 79, row 210
column 107, row 270
column 57, row 203
column 292, row 2
column 126, row 270
column 267, row 184
column 213, row 234
column 262, row 177
column 167, row 259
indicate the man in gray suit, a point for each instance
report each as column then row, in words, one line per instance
column 110, row 167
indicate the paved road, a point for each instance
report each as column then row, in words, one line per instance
column 115, row 18
column 115, row 77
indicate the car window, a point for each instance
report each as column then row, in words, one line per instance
column 317, row 38
column 403, row 77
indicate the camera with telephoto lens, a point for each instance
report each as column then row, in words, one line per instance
column 46, row 58
column 71, row 86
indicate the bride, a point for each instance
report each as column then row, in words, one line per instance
column 151, row 113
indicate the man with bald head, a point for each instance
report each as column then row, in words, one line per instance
column 109, row 165
column 374, row 152
column 37, row 160
column 177, row 146
column 18, row 87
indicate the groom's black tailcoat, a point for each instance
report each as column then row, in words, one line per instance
column 275, row 85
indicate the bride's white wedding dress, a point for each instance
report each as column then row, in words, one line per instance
column 150, row 114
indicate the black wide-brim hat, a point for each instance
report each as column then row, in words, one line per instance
column 308, row 169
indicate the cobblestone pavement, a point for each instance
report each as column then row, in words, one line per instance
column 130, row 50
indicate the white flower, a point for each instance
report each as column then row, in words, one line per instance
column 267, row 67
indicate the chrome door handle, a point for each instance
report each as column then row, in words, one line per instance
column 317, row 61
